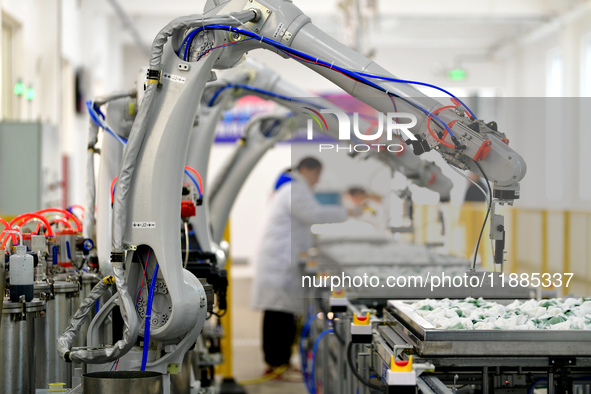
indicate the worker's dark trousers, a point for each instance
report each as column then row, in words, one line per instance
column 279, row 330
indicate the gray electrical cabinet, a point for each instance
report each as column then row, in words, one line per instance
column 30, row 168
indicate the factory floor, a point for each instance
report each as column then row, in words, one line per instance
column 247, row 329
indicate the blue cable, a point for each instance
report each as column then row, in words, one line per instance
column 531, row 389
column 415, row 83
column 100, row 123
column 268, row 93
column 195, row 183
column 257, row 90
column 314, row 350
column 268, row 132
column 123, row 141
column 188, row 41
column 148, row 318
column 305, row 331
column 308, row 58
column 98, row 110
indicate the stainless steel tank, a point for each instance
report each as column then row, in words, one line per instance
column 181, row 382
column 60, row 306
column 122, row 382
column 17, row 341
column 2, row 286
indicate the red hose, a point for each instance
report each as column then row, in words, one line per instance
column 62, row 221
column 112, row 190
column 77, row 206
column 431, row 131
column 7, row 226
column 66, row 213
column 198, row 177
column 23, row 218
column 58, row 219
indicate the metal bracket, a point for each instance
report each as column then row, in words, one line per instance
column 263, row 12
column 562, row 361
column 173, row 369
column 399, row 349
column 23, row 315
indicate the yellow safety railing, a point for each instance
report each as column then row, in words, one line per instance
column 537, row 240
column 226, row 368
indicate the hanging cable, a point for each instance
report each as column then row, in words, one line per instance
column 102, row 124
column 314, row 351
column 148, row 319
column 304, row 358
column 353, row 368
column 143, row 278
column 468, row 178
column 336, row 334
column 256, row 90
column 486, row 217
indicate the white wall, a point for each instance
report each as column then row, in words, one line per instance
column 53, row 39
column 527, row 65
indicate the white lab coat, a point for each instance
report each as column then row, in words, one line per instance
column 293, row 209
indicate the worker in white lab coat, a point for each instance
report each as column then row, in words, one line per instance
column 287, row 234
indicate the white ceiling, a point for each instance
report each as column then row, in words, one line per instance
column 466, row 25
column 419, row 8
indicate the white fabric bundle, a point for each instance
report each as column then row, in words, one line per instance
column 478, row 314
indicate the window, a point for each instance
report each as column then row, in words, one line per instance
column 7, row 81
column 554, row 80
column 586, row 67
column 554, row 128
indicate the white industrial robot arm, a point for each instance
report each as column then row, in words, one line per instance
column 147, row 201
column 201, row 140
column 149, row 224
column 267, row 84
column 259, row 80
column 422, row 173
column 95, row 122
column 261, row 134
column 462, row 140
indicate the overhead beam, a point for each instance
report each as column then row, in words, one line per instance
column 129, row 24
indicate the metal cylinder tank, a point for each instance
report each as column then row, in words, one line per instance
column 2, row 285
column 17, row 341
column 144, row 382
column 181, row 382
column 60, row 304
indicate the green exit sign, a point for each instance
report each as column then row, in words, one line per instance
column 19, row 88
column 457, row 74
